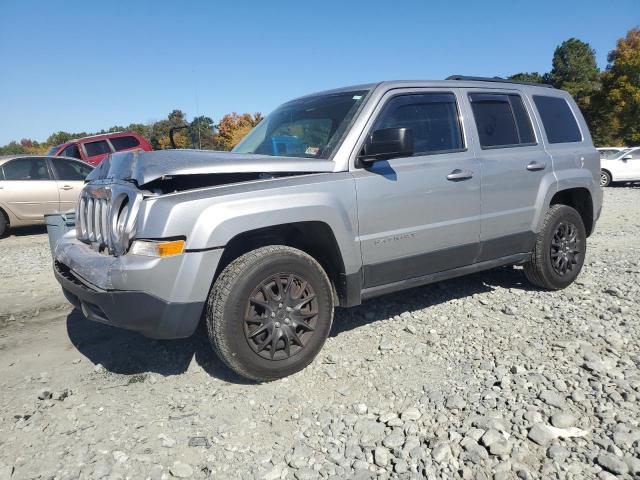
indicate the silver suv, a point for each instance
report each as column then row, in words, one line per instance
column 334, row 198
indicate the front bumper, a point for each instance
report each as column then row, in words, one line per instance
column 158, row 297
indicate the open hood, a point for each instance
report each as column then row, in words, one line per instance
column 145, row 167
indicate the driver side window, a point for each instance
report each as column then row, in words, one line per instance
column 432, row 117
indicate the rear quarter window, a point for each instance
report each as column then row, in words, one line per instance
column 557, row 119
column 123, row 143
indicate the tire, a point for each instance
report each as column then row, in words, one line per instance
column 559, row 250
column 251, row 304
column 605, row 178
column 4, row 225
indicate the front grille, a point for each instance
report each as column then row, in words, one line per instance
column 93, row 221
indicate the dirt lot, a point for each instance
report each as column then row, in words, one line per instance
column 481, row 377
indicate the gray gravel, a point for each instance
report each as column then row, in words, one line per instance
column 479, row 377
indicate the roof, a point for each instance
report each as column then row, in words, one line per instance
column 6, row 158
column 454, row 81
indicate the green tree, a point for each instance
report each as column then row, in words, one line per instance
column 202, row 131
column 575, row 70
column 531, row 77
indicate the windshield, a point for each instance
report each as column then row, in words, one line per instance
column 310, row 127
column 53, row 150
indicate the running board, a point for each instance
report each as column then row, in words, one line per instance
column 376, row 291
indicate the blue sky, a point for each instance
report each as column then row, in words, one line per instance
column 83, row 66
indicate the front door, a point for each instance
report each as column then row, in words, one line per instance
column 629, row 168
column 419, row 214
column 28, row 189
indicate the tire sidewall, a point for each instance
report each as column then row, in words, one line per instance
column 4, row 225
column 608, row 175
column 232, row 323
column 564, row 214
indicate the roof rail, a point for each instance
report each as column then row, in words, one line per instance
column 496, row 79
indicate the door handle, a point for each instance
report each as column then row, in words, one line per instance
column 458, row 175
column 66, row 187
column 535, row 166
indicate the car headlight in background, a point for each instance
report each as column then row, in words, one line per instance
column 157, row 248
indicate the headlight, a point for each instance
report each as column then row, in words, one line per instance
column 154, row 248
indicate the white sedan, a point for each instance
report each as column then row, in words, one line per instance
column 623, row 168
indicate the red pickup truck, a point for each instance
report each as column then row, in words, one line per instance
column 94, row 148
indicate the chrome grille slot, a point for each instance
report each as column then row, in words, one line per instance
column 98, row 209
column 90, row 217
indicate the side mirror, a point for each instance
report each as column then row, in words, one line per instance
column 626, row 157
column 387, row 143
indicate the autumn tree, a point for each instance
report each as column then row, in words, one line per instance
column 620, row 95
column 233, row 127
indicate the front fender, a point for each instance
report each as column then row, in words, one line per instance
column 211, row 219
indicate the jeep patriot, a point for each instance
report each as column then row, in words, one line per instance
column 334, row 198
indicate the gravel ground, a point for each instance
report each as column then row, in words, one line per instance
column 480, row 377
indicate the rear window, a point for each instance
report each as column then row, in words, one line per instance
column 71, row 151
column 557, row 119
column 501, row 120
column 97, row 148
column 122, row 143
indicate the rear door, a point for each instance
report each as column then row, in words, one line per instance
column 96, row 150
column 420, row 214
column 514, row 165
column 28, row 188
column 70, row 176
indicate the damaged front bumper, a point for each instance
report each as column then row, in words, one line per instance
column 158, row 297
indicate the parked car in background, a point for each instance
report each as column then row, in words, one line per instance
column 31, row 186
column 95, row 148
column 623, row 168
column 611, row 152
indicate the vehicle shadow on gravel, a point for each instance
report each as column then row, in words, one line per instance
column 427, row 296
column 129, row 353
column 26, row 231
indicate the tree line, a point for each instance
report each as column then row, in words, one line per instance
column 609, row 100
column 201, row 132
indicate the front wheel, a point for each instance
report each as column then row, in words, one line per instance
column 559, row 251
column 270, row 312
column 605, row 178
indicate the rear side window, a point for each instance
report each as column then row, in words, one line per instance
column 97, row 148
column 501, row 120
column 71, row 151
column 70, row 170
column 432, row 117
column 557, row 119
column 122, row 143
column 26, row 169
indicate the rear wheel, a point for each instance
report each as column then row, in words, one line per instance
column 559, row 250
column 605, row 178
column 269, row 312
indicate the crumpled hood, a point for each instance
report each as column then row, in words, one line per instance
column 144, row 167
